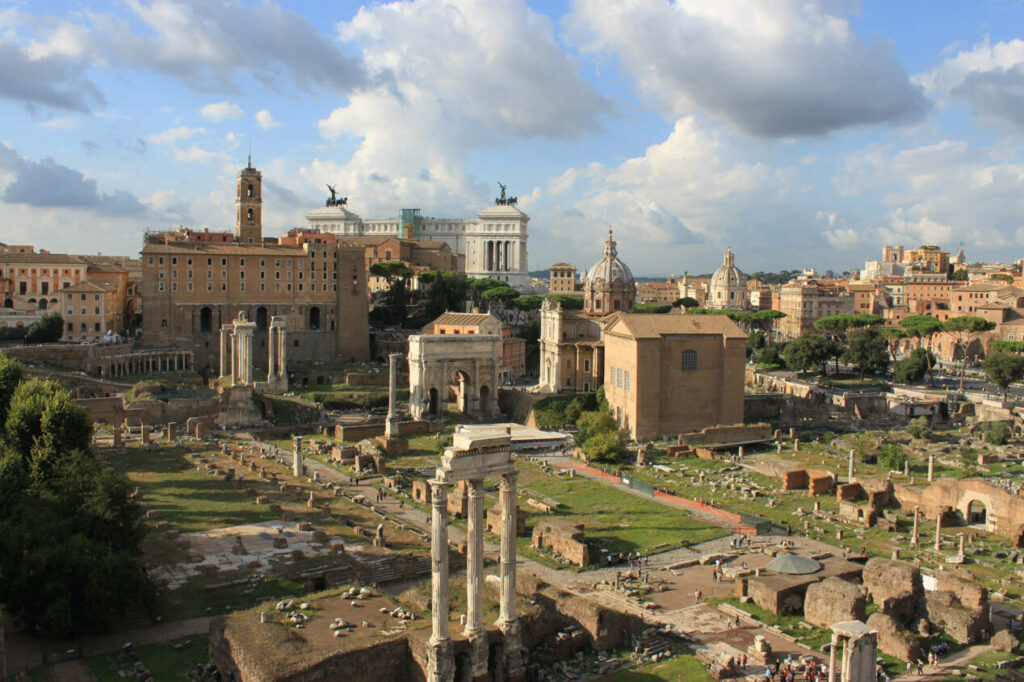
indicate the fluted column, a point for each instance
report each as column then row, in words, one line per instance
column 271, row 353
column 234, row 358
column 440, row 664
column 938, row 531
column 474, row 631
column 391, row 424
column 298, row 466
column 507, row 620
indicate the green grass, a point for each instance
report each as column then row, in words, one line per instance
column 185, row 497
column 812, row 639
column 162, row 660
column 681, row 667
column 620, row 521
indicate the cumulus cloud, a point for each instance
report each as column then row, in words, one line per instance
column 989, row 78
column 209, row 44
column 41, row 78
column 790, row 67
column 264, row 119
column 450, row 77
column 48, row 184
column 218, row 111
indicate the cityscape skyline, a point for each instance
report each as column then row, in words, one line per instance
column 829, row 130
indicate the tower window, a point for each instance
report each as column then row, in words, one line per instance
column 249, row 192
column 689, row 359
column 248, row 214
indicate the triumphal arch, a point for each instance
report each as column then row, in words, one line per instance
column 473, row 458
column 465, row 367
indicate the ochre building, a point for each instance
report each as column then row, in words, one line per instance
column 670, row 374
column 193, row 283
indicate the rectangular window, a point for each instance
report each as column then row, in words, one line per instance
column 241, row 262
column 586, row 365
column 689, row 359
column 190, row 286
column 160, row 287
column 96, row 310
column 223, row 286
column 174, row 286
column 626, row 381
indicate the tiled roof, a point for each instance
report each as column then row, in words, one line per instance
column 41, row 258
column 653, row 325
column 471, row 319
column 214, row 248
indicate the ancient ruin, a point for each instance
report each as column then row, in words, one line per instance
column 465, row 367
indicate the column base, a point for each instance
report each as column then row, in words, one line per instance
column 515, row 664
column 440, row 661
column 478, row 654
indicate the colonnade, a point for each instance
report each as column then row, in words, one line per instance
column 148, row 362
column 277, row 353
column 236, row 350
column 502, row 255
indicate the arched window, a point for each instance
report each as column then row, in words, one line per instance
column 689, row 359
column 205, row 319
column 261, row 318
column 314, row 318
column 42, row 304
column 249, row 193
column 249, row 215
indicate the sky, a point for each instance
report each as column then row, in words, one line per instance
column 800, row 133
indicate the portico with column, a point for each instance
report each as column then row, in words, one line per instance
column 474, row 459
column 236, row 350
column 277, row 371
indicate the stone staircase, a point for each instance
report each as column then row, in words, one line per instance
column 652, row 644
column 389, row 569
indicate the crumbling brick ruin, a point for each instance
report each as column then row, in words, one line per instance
column 564, row 537
column 834, row 600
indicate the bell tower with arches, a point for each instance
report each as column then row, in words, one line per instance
column 249, row 206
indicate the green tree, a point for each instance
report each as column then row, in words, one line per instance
column 43, row 422
column 892, row 335
column 606, row 446
column 837, row 328
column 1002, row 369
column 47, row 329
column 920, row 428
column 769, row 357
column 923, row 328
column 648, row 308
column 567, row 301
column 806, row 353
column 11, row 374
column 590, row 424
column 755, row 341
column 965, row 330
column 1008, row 346
column 1002, row 277
column 602, row 401
column 478, row 286
column 867, row 351
column 445, row 290
column 912, row 368
column 996, row 433
column 396, row 299
column 959, row 276
column 891, row 457
column 686, row 303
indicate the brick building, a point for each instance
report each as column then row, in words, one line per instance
column 563, row 279
column 192, row 283
column 671, row 374
column 807, row 299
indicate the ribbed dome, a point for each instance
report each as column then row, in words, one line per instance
column 728, row 276
column 610, row 268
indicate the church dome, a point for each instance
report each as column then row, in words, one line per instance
column 728, row 285
column 609, row 286
column 610, row 268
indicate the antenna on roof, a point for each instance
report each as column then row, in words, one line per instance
column 250, row 153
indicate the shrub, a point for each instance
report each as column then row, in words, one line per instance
column 996, row 433
column 606, row 446
column 892, row 457
column 920, row 428
column 47, row 329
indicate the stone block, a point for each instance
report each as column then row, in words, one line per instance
column 834, row 600
column 893, row 639
column 895, row 586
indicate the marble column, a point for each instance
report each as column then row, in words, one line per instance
column 440, row 662
column 391, row 424
column 298, row 469
column 832, row 677
column 849, row 467
column 963, row 538
column 271, row 353
column 282, row 350
column 931, row 468
column 245, row 333
column 938, row 531
column 474, row 631
column 234, row 358
column 914, row 538
column 507, row 620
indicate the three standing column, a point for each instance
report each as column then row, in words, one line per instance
column 475, row 632
column 507, row 621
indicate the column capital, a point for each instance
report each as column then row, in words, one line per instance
column 508, row 481
column 475, row 488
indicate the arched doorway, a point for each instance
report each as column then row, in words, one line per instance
column 485, row 397
column 314, row 318
column 8, row 303
column 976, row 513
column 205, row 319
column 432, row 406
column 261, row 318
column 461, row 385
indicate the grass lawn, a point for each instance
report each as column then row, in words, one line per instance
column 163, row 661
column 193, row 600
column 617, row 520
column 188, row 499
column 682, row 667
column 986, row 663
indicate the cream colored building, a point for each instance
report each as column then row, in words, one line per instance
column 91, row 311
column 571, row 349
column 805, row 300
column 563, row 279
column 672, row 374
column 728, row 287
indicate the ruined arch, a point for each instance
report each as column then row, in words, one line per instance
column 463, row 364
column 975, row 513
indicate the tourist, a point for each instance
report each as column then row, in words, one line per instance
column 920, row 667
column 697, row 596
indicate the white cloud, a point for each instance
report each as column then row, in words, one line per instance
column 787, row 67
column 990, row 78
column 172, row 135
column 266, row 120
column 450, row 77
column 198, row 155
column 61, row 123
column 218, row 111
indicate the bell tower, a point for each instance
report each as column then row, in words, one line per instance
column 249, row 206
